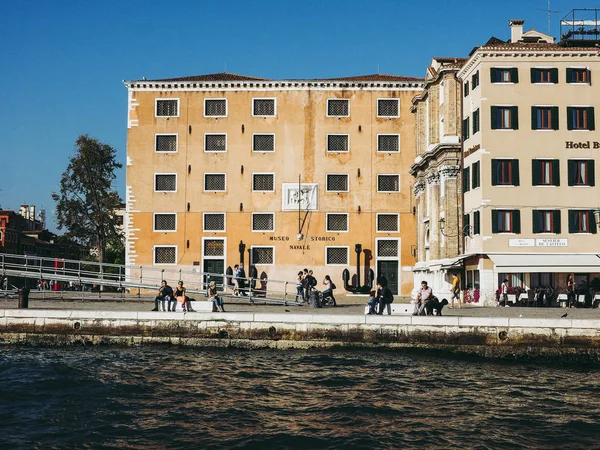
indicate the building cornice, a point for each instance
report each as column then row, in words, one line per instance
column 422, row 161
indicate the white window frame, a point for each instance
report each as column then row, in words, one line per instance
column 264, row 134
column 389, row 174
column 333, row 98
column 156, row 100
column 213, row 173
column 389, row 134
column 167, row 134
column 154, row 247
column 337, row 214
column 336, row 134
column 252, row 247
column 220, row 98
column 165, row 173
column 263, row 98
column 326, row 182
column 263, row 173
column 163, row 231
column 388, row 98
column 377, row 230
column 214, row 231
column 347, row 255
column 262, row 231
column 215, row 134
column 224, row 257
column 389, row 258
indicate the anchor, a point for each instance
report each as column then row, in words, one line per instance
column 356, row 287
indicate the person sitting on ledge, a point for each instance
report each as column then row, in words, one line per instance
column 164, row 293
column 213, row 297
column 181, row 297
column 385, row 297
column 424, row 296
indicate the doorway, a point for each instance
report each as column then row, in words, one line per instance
column 389, row 271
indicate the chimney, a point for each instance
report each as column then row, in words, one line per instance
column 24, row 211
column 516, row 30
column 32, row 212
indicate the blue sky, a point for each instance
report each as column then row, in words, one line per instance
column 63, row 62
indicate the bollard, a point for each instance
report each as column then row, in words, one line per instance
column 24, row 298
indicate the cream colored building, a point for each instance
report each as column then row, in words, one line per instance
column 437, row 172
column 280, row 174
column 530, row 146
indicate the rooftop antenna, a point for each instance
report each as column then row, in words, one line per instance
column 225, row 67
column 378, row 73
column 550, row 12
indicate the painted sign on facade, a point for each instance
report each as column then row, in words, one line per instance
column 521, row 243
column 551, row 242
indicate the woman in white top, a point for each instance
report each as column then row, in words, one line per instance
column 328, row 292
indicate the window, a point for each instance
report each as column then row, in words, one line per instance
column 388, row 223
column 476, row 121
column 539, row 279
column 476, row 223
column 388, row 183
column 388, row 107
column 337, row 256
column 580, row 118
column 466, row 89
column 214, row 182
column 214, row 247
column 544, row 118
column 546, row 221
column 544, row 75
column 338, row 142
column 215, row 142
column 514, row 279
column 264, row 182
column 165, row 143
column 506, row 221
column 264, row 107
column 504, row 75
column 215, row 107
column 476, row 182
column 213, row 222
column 165, row 254
column 475, row 80
column 466, row 180
column 505, row 172
column 165, row 182
column 167, row 107
column 387, row 248
column 581, row 172
column 337, row 183
column 165, row 222
column 338, row 107
column 263, row 142
column 545, row 172
column 505, row 118
column 388, row 143
column 263, row 222
column 465, row 129
column 336, row 222
column 581, row 221
column 263, row 255
column 578, row 75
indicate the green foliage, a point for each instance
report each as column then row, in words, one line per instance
column 87, row 201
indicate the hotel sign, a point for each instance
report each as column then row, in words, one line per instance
column 582, row 144
column 551, row 242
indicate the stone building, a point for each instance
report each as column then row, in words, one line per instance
column 437, row 176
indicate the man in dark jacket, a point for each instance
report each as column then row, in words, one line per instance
column 385, row 297
column 164, row 293
column 242, row 280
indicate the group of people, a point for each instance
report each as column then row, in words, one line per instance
column 306, row 282
column 383, row 296
column 239, row 280
column 171, row 298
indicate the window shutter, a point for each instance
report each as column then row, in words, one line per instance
column 556, row 172
column 572, row 221
column 554, row 75
column 476, row 224
column 556, row 221
column 475, row 181
column 465, row 129
column 571, row 172
column 516, row 221
column 534, row 124
column 535, row 172
column 536, row 221
column 590, row 118
column 514, row 75
column 570, row 117
column 591, row 172
column 554, row 117
column 466, row 224
column 494, row 75
column 514, row 117
column 515, row 172
column 466, row 179
column 494, row 172
column 593, row 227
column 494, row 115
column 569, row 75
column 533, row 72
column 589, row 76
column 494, row 221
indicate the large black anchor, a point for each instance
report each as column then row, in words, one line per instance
column 356, row 288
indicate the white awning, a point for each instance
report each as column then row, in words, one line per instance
column 550, row 263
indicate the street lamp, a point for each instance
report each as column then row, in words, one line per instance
column 466, row 230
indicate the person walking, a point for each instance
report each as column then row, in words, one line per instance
column 571, row 291
column 455, row 290
column 504, row 292
column 242, row 280
column 329, row 287
column 299, row 290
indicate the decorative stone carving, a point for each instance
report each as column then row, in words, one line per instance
column 419, row 188
column 449, row 172
column 433, row 178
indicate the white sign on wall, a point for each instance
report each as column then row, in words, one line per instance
column 308, row 196
column 521, row 243
column 551, row 242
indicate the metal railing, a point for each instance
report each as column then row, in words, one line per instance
column 60, row 275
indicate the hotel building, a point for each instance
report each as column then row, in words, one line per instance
column 280, row 174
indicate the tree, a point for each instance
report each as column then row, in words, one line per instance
column 87, row 201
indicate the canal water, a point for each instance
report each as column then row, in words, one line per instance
column 163, row 397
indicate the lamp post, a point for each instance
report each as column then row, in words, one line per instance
column 466, row 230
